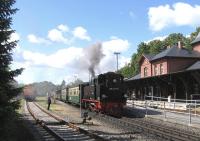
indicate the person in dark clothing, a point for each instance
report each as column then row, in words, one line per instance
column 49, row 102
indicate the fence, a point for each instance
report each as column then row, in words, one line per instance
column 171, row 107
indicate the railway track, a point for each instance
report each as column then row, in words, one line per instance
column 111, row 132
column 58, row 129
column 161, row 131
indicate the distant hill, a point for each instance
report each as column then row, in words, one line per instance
column 41, row 88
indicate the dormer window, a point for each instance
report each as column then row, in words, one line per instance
column 145, row 72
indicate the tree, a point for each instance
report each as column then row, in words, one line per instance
column 127, row 71
column 8, row 91
column 156, row 46
column 143, row 48
column 192, row 36
column 173, row 39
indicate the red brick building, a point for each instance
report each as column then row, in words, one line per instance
column 173, row 59
column 175, row 71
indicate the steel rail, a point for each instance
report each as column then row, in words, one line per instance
column 172, row 130
column 158, row 131
column 58, row 137
column 164, row 130
column 86, row 132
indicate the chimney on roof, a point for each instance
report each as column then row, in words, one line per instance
column 179, row 44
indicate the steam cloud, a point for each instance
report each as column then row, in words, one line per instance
column 91, row 58
column 95, row 55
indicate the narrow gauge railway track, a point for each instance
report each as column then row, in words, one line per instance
column 58, row 128
column 169, row 125
column 159, row 131
column 164, row 130
column 112, row 132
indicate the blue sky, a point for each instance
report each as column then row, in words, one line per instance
column 54, row 35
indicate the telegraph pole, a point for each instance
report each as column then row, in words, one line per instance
column 117, row 54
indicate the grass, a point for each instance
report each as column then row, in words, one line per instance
column 20, row 110
column 53, row 107
column 60, row 109
column 43, row 102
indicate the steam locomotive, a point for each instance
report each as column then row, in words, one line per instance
column 103, row 94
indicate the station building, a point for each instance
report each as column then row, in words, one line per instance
column 174, row 72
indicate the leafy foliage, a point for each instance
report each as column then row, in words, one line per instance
column 154, row 47
column 8, row 91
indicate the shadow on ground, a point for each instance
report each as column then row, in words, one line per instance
column 138, row 112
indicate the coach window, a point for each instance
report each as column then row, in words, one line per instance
column 145, row 71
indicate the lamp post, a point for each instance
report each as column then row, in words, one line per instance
column 117, row 54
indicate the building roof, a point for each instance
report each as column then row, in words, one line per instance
column 148, row 56
column 194, row 66
column 197, row 39
column 138, row 76
column 175, row 51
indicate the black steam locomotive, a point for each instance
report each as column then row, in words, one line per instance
column 103, row 94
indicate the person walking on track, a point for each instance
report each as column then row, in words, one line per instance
column 49, row 102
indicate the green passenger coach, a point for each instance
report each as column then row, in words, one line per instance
column 63, row 94
column 73, row 95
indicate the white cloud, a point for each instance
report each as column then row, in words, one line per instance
column 179, row 14
column 161, row 38
column 59, row 59
column 56, row 35
column 35, row 74
column 65, row 63
column 115, row 45
column 124, row 61
column 14, row 37
column 34, row 39
column 109, row 62
column 81, row 33
column 61, row 34
column 63, row 28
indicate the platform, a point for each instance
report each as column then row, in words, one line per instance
column 173, row 112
